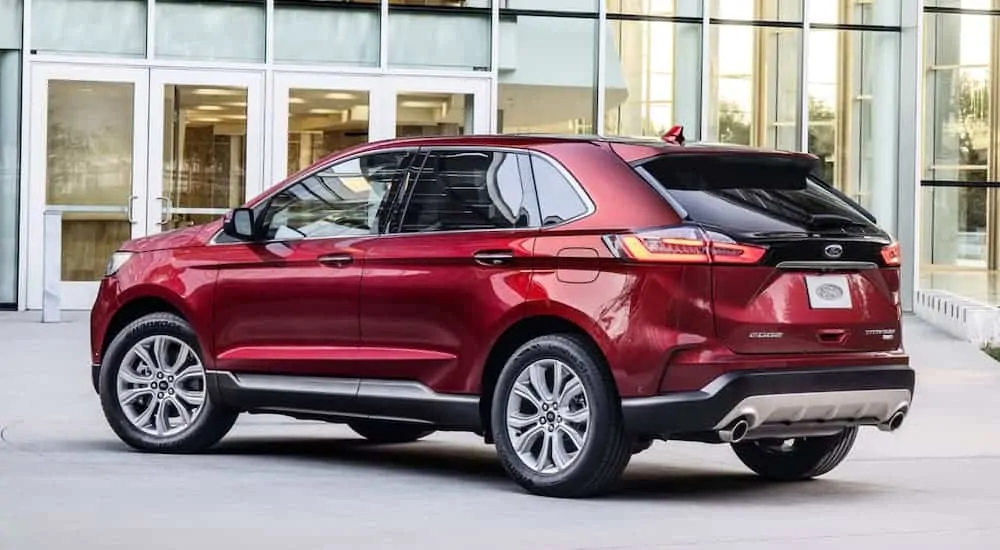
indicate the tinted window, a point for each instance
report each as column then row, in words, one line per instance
column 557, row 198
column 343, row 199
column 467, row 190
column 754, row 193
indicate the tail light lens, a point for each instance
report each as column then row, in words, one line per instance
column 892, row 255
column 685, row 245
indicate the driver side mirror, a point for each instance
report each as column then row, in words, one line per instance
column 239, row 224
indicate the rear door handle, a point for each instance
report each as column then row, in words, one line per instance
column 494, row 257
column 336, row 260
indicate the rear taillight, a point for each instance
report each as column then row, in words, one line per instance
column 892, row 255
column 686, row 245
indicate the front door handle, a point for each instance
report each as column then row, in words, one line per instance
column 494, row 257
column 336, row 260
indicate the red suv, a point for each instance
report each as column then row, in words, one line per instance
column 569, row 299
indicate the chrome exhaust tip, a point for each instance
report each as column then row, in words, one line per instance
column 894, row 422
column 735, row 432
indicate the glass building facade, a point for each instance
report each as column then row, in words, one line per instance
column 131, row 117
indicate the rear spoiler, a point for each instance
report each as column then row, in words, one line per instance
column 674, row 135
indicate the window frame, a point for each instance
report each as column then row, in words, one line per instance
column 401, row 199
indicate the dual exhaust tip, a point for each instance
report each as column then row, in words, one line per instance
column 738, row 430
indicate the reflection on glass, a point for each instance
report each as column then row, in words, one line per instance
column 225, row 30
column 589, row 6
column 89, row 170
column 95, row 27
column 204, row 151
column 761, row 10
column 688, row 8
column 654, row 80
column 954, row 230
column 321, row 122
column 420, row 38
column 754, row 86
column 853, row 91
column 853, row 12
column 434, row 114
column 552, row 92
column 324, row 33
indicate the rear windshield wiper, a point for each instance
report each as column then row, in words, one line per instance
column 834, row 220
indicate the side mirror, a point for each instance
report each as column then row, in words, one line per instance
column 239, row 224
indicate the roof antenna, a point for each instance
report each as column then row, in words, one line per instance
column 674, row 135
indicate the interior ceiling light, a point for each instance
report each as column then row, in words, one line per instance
column 340, row 95
column 209, row 108
column 214, row 91
column 296, row 100
column 422, row 104
column 323, row 111
column 237, row 104
column 212, row 119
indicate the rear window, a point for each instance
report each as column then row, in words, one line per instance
column 754, row 193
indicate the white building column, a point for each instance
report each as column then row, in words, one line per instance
column 910, row 129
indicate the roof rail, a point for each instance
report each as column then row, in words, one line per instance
column 674, row 135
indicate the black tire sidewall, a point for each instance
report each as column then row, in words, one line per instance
column 212, row 416
column 605, row 424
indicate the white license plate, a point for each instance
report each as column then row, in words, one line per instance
column 828, row 291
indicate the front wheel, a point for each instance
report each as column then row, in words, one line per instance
column 796, row 459
column 153, row 388
column 556, row 419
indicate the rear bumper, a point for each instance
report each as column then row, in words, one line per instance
column 777, row 403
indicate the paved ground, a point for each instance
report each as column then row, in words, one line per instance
column 66, row 482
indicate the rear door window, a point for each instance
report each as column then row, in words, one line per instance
column 750, row 193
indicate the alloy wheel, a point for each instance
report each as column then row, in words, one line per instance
column 161, row 386
column 548, row 416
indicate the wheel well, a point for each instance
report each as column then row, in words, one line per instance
column 514, row 337
column 133, row 310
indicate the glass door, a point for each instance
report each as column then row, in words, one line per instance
column 88, row 163
column 436, row 106
column 316, row 115
column 205, row 145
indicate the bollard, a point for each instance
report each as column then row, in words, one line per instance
column 52, row 266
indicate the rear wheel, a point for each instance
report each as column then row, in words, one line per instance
column 796, row 459
column 153, row 388
column 556, row 419
column 389, row 432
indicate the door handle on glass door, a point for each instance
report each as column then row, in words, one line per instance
column 494, row 257
column 336, row 260
column 165, row 212
column 131, row 209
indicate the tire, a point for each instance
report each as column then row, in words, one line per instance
column 594, row 467
column 808, row 458
column 390, row 432
column 208, row 424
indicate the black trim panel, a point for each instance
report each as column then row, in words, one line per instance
column 699, row 411
column 95, row 376
column 346, row 399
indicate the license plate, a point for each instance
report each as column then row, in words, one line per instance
column 828, row 292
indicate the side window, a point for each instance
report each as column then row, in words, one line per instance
column 340, row 200
column 467, row 191
column 557, row 198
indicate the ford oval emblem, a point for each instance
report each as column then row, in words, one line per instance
column 830, row 292
column 833, row 251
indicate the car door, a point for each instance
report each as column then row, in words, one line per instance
column 453, row 267
column 287, row 303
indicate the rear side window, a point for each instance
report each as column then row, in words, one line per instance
column 754, row 193
column 468, row 191
column 557, row 198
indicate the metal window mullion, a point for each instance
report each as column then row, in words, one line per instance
column 383, row 36
column 600, row 65
column 706, row 71
column 269, row 23
column 24, row 183
column 495, row 66
column 150, row 29
column 803, row 76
